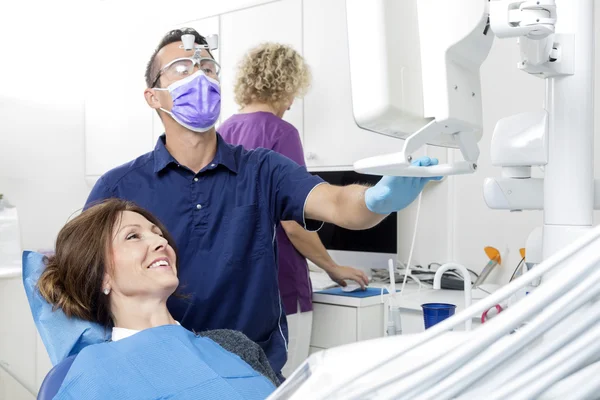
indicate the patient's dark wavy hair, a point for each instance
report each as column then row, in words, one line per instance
column 72, row 280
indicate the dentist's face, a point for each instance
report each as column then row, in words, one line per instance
column 143, row 262
column 165, row 57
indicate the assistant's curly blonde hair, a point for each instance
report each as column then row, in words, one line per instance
column 271, row 73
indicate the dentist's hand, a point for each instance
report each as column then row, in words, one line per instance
column 339, row 274
column 393, row 193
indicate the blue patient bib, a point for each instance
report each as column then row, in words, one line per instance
column 166, row 362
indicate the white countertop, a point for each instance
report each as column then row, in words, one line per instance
column 411, row 299
column 9, row 272
column 10, row 269
column 348, row 301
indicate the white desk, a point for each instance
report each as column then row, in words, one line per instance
column 339, row 320
column 9, row 272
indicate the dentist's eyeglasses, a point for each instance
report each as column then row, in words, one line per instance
column 183, row 67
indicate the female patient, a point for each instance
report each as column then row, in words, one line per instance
column 115, row 264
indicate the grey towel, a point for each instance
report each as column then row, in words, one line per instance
column 237, row 343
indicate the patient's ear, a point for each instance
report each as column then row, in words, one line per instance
column 106, row 282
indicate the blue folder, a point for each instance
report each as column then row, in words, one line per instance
column 370, row 292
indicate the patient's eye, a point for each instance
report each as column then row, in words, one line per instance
column 133, row 236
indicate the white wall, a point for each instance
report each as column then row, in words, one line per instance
column 41, row 155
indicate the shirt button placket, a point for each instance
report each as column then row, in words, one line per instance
column 196, row 192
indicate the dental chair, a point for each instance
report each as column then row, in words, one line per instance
column 54, row 379
column 63, row 337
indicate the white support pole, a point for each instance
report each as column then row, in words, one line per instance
column 569, row 175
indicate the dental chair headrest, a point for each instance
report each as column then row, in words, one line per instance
column 62, row 336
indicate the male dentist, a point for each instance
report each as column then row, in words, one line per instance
column 222, row 204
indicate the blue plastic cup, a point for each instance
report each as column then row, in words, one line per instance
column 434, row 313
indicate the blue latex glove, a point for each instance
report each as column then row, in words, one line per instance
column 393, row 193
column 62, row 336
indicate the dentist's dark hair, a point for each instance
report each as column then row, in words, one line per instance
column 72, row 280
column 152, row 68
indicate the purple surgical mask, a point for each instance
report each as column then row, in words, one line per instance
column 196, row 102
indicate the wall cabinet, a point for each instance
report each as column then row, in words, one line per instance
column 118, row 122
column 281, row 22
column 119, row 125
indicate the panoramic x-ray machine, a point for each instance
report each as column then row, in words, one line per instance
column 425, row 57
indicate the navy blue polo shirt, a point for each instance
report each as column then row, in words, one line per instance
column 223, row 220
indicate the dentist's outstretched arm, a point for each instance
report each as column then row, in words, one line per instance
column 361, row 207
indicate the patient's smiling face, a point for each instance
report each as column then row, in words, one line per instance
column 143, row 262
column 114, row 259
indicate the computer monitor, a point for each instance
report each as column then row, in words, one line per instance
column 363, row 249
